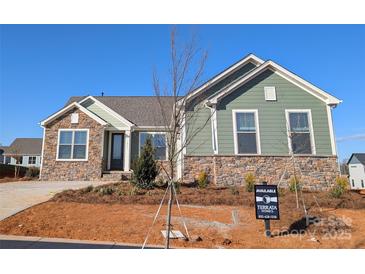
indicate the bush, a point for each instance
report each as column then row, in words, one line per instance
column 294, row 184
column 87, row 189
column 250, row 182
column 340, row 187
column 145, row 168
column 107, row 190
column 234, row 190
column 202, row 179
column 32, row 172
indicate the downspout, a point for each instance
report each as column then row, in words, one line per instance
column 213, row 111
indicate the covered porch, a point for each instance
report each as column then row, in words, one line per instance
column 116, row 154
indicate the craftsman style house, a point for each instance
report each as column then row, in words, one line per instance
column 255, row 116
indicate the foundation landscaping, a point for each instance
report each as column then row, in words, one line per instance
column 215, row 217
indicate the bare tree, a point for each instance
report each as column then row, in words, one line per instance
column 187, row 66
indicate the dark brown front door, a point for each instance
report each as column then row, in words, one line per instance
column 116, row 161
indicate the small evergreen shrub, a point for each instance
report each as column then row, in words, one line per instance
column 340, row 187
column 87, row 189
column 145, row 168
column 202, row 179
column 294, row 184
column 250, row 182
column 32, row 172
column 177, row 186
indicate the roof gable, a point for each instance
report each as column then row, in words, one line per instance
column 305, row 85
column 357, row 158
column 69, row 107
column 250, row 58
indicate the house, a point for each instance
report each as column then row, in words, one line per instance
column 24, row 152
column 254, row 117
column 356, row 165
column 2, row 158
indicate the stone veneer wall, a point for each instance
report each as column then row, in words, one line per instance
column 317, row 173
column 72, row 170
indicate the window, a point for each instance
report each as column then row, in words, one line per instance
column 245, row 132
column 32, row 160
column 20, row 162
column 353, row 183
column 300, row 132
column 362, row 183
column 72, row 144
column 158, row 142
column 270, row 93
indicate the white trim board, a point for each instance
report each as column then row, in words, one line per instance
column 107, row 109
column 249, row 58
column 72, row 144
column 69, row 107
column 305, row 85
column 257, row 125
column 311, row 131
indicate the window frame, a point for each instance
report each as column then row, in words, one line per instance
column 153, row 133
column 31, row 157
column 311, row 131
column 72, row 145
column 257, row 128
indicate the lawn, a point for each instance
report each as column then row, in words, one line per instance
column 221, row 217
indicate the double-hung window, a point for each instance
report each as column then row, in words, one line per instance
column 32, row 160
column 300, row 133
column 246, row 136
column 72, row 144
column 158, row 143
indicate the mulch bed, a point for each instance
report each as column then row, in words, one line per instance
column 126, row 193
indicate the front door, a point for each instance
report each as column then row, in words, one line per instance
column 116, row 161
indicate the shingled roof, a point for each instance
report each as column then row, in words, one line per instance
column 24, row 146
column 140, row 110
column 359, row 156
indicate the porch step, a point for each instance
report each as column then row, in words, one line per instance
column 116, row 175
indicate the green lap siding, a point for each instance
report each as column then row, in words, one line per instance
column 106, row 116
column 272, row 121
column 200, row 125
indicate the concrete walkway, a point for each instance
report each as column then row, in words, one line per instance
column 22, row 242
column 17, row 196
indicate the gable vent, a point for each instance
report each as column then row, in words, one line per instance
column 270, row 93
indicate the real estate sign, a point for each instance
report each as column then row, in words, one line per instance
column 267, row 202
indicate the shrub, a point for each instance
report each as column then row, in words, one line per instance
column 87, row 189
column 160, row 182
column 145, row 168
column 32, row 172
column 294, row 184
column 234, row 190
column 250, row 182
column 202, row 179
column 340, row 187
column 107, row 190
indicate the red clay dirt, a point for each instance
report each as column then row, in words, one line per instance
column 219, row 226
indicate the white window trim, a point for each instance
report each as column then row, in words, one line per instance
column 35, row 160
column 87, row 145
column 257, row 125
column 311, row 131
column 152, row 132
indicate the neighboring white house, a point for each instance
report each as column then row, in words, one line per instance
column 356, row 165
column 24, row 152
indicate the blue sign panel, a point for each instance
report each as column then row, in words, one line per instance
column 267, row 202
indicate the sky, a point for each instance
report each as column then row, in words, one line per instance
column 41, row 66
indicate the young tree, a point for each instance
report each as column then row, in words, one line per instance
column 145, row 167
column 187, row 66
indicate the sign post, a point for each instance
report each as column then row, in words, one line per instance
column 267, row 204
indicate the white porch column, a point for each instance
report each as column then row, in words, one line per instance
column 127, row 150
